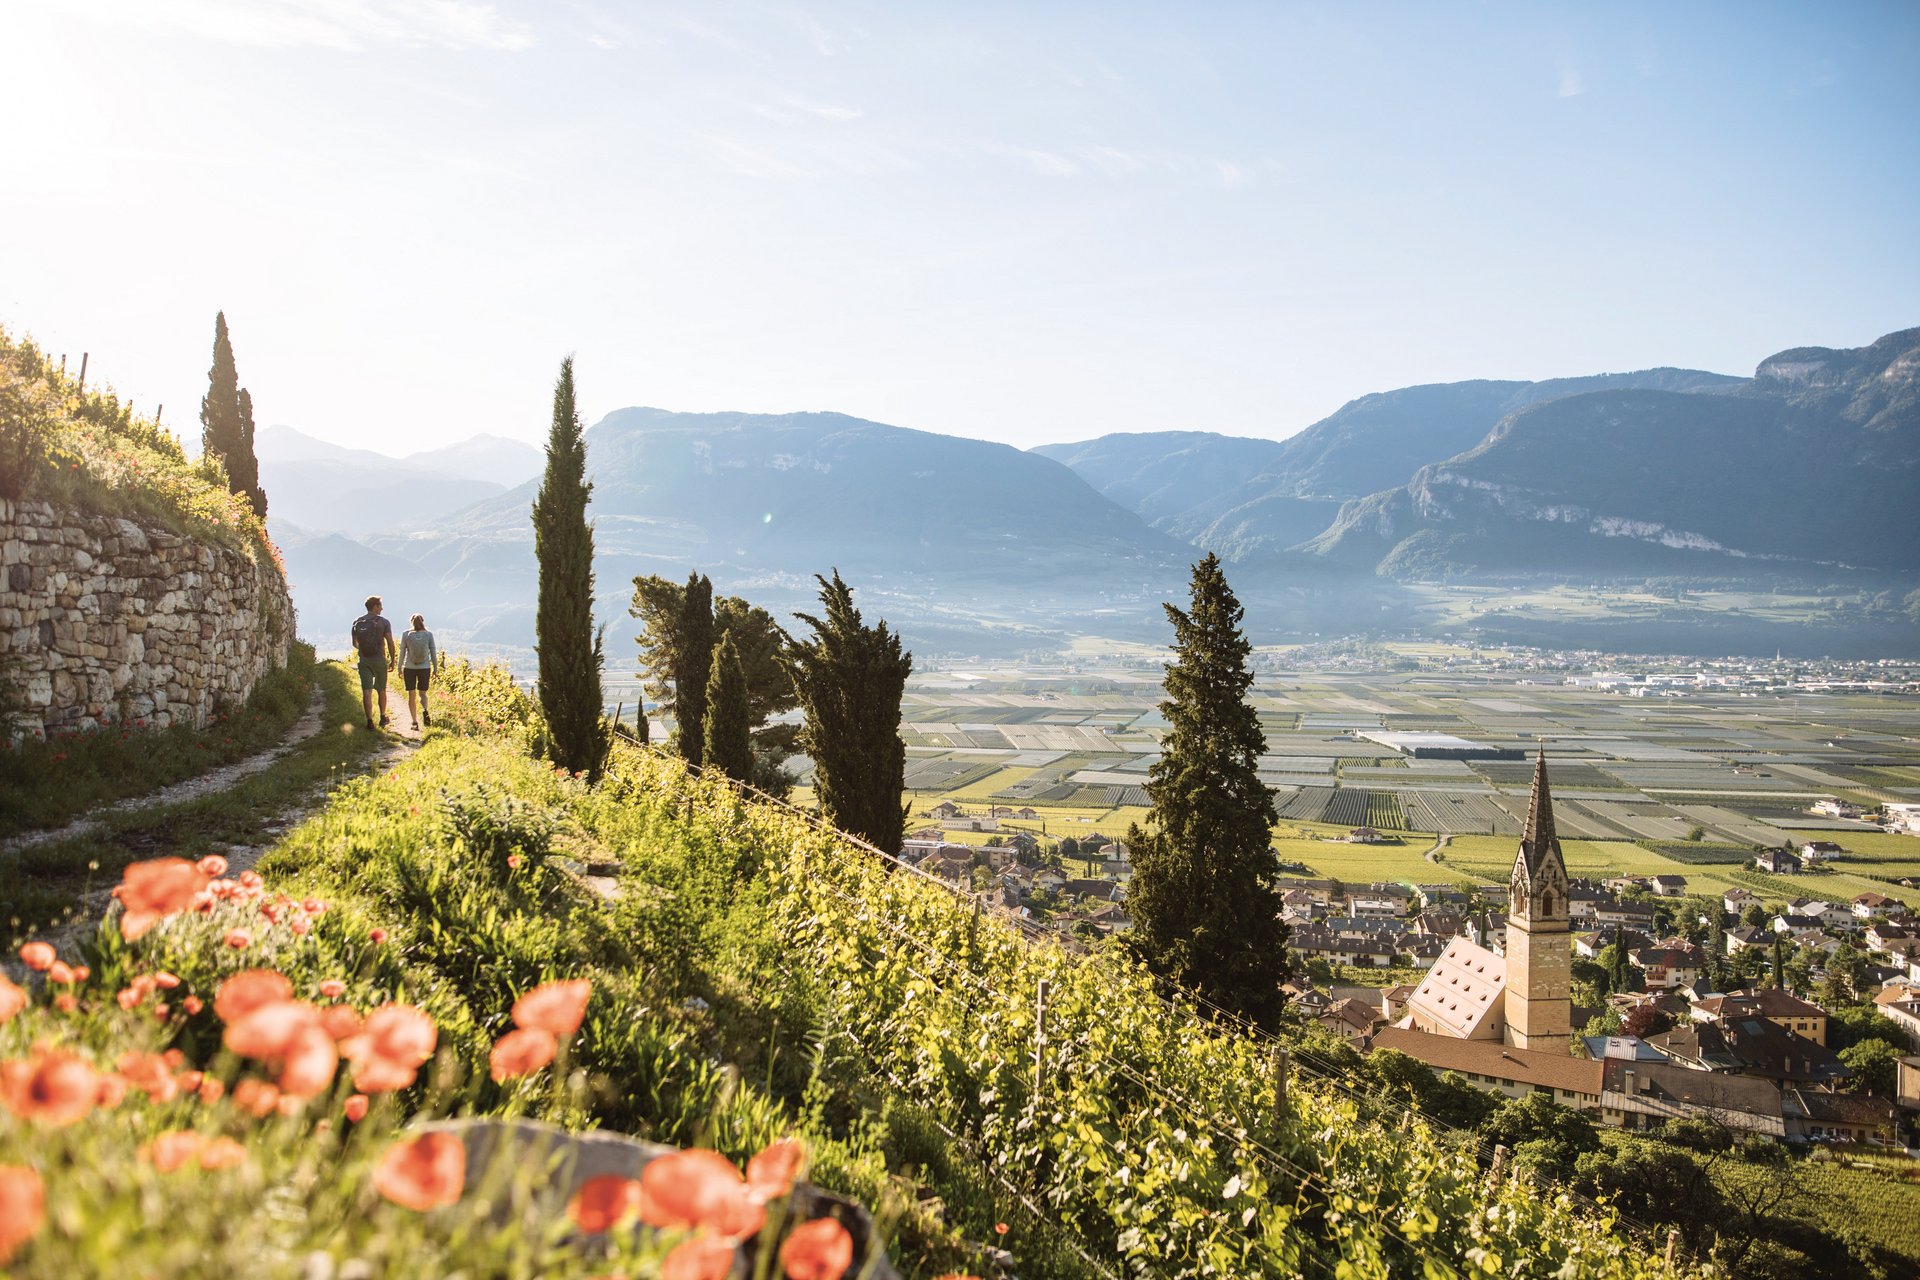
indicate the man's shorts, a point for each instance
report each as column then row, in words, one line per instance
column 416, row 677
column 373, row 675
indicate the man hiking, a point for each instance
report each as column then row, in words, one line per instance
column 373, row 642
column 417, row 654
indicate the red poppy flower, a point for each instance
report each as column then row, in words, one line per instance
column 341, row 1021
column 817, row 1250
column 268, row 1031
column 38, row 956
column 211, row 1089
column 171, row 1151
column 12, row 999
column 165, row 981
column 699, row 1258
column 521, row 1052
column 112, row 1091
column 377, row 936
column 698, row 1188
column 193, row 1005
column 222, row 1153
column 150, row 1074
column 356, row 1107
column 307, row 1066
column 23, row 1207
column 249, row 990
column 554, row 1007
column 53, row 1088
column 213, row 866
column 389, row 1048
column 601, row 1202
column 65, row 1002
column 152, row 890
column 239, row 939
column 771, row 1174
column 256, row 1097
column 61, row 973
column 423, row 1173
column 333, row 988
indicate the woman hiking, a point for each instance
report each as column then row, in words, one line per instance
column 417, row 656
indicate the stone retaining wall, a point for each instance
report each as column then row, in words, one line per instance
column 104, row 619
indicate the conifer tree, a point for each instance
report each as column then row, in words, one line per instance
column 565, row 640
column 226, row 421
column 1204, row 902
column 728, row 728
column 850, row 678
column 693, row 665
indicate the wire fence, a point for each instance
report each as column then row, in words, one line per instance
column 1286, row 1056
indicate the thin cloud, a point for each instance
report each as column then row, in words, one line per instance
column 324, row 24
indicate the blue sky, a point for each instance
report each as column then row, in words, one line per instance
column 1024, row 222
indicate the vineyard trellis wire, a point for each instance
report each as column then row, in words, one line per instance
column 945, row 961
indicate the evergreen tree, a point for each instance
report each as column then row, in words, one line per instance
column 850, row 678
column 226, row 421
column 692, row 665
column 568, row 647
column 729, row 741
column 247, row 479
column 1204, row 902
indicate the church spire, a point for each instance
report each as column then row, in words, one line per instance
column 1539, row 834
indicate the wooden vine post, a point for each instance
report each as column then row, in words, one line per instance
column 1040, row 1039
column 1280, row 1057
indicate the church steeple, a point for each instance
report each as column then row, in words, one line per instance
column 1539, row 837
column 1539, row 962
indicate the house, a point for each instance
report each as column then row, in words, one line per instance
column 1907, row 1082
column 916, row 848
column 1669, row 886
column 1438, row 922
column 1351, row 1019
column 1740, row 939
column 1414, row 949
column 1393, row 1001
column 1025, row 813
column 1094, row 890
column 1817, row 851
column 1367, row 904
column 1643, row 1095
column 1463, row 995
column 1441, row 895
column 974, row 822
column 1902, row 818
column 1488, row 930
column 1899, row 1003
column 1814, row 1115
column 1624, row 884
column 1499, row 1068
column 1023, row 843
column 1736, row 901
column 1871, row 906
column 945, row 809
column 1777, row 862
column 1305, row 997
column 1757, row 1046
column 1831, row 915
column 1583, row 901
column 1109, row 917
column 1889, row 938
column 949, row 865
column 1365, row 835
column 1666, row 967
column 1831, row 808
column 1633, row 915
column 1801, row 1017
column 1048, row 878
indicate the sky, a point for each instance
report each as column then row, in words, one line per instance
column 1022, row 221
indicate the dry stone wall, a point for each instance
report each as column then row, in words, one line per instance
column 104, row 619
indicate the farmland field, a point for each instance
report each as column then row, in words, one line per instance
column 1682, row 784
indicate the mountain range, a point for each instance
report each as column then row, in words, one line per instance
column 1810, row 467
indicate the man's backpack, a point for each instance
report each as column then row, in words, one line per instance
column 370, row 638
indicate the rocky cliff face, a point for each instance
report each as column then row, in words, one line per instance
column 105, row 619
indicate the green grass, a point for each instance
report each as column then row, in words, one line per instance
column 45, row 783
column 41, row 885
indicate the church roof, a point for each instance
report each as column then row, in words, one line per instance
column 1463, row 992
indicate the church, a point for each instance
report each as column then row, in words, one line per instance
column 1524, row 999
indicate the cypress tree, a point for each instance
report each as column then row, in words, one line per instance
column 728, row 726
column 568, row 647
column 692, row 665
column 1204, row 902
column 244, row 470
column 850, row 678
column 226, row 421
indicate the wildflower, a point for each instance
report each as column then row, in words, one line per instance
column 300, row 925
column 190, row 1081
column 54, row 1088
column 521, row 1052
column 62, row 973
column 356, row 1107
column 65, row 1002
column 333, row 988
column 193, row 1005
column 999, row 1228
column 81, row 973
column 222, row 1153
column 423, row 1173
column 698, row 1258
column 256, row 1097
column 698, row 1188
column 313, row 906
column 602, row 1202
column 554, row 1007
column 252, row 880
column 23, row 1207
column 389, row 1048
column 38, row 956
column 152, row 890
column 239, row 939
column 213, row 866
column 12, row 999
column 817, row 1250
column 771, row 1174
column 162, row 1011
column 149, row 1073
column 165, row 981
column 211, row 1089
column 171, row 1151
column 341, row 1021
column 377, row 936
column 513, row 861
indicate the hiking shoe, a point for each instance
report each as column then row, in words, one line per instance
column 369, row 724
column 416, row 726
column 426, row 718
column 383, row 722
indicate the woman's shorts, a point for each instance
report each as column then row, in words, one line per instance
column 417, row 677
